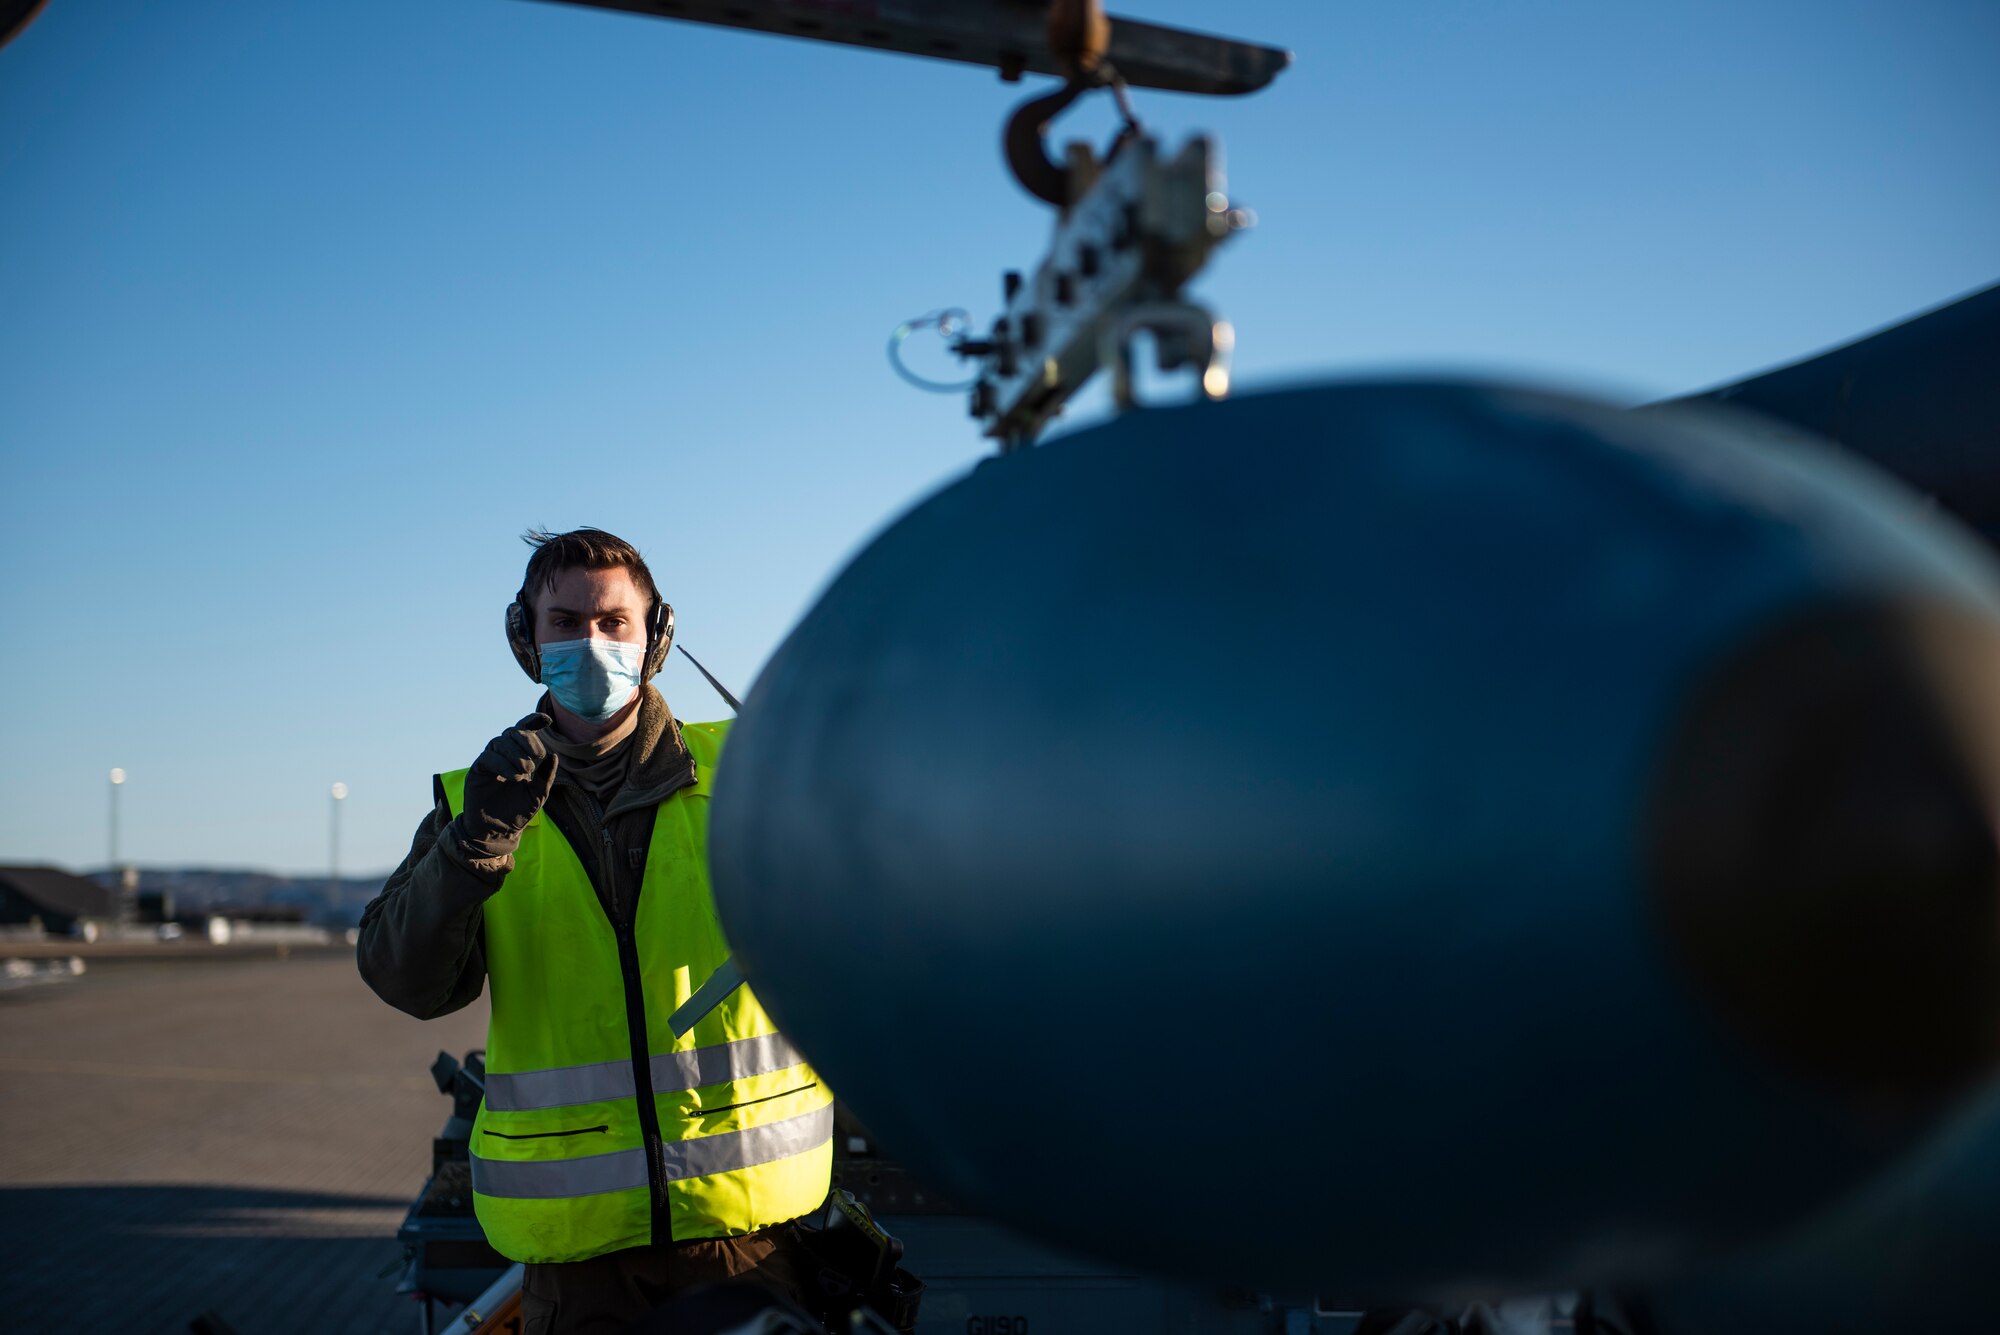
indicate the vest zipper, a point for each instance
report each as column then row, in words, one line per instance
column 747, row 1103
column 622, row 917
column 635, row 1022
column 545, row 1135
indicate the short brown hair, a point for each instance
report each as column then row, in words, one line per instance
column 581, row 548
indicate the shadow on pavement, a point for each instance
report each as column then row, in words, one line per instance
column 134, row 1259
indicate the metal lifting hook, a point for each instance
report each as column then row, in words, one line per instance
column 1078, row 37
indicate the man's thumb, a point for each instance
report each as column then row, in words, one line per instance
column 535, row 722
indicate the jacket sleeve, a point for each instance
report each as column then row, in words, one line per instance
column 421, row 947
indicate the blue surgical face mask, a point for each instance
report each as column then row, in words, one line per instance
column 592, row 679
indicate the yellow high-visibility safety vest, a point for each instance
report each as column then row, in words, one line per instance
column 600, row 1130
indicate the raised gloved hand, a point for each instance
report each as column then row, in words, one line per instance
column 505, row 787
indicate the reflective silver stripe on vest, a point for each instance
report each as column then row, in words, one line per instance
column 724, row 1061
column 749, row 1147
column 625, row 1170
column 561, row 1086
column 554, row 1179
column 728, row 976
column 558, row 1087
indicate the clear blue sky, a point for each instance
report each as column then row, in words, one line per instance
column 307, row 309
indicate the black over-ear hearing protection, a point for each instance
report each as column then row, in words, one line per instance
column 521, row 638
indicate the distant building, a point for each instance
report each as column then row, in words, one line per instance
column 58, row 899
column 153, row 906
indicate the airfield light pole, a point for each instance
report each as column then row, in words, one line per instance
column 333, row 843
column 117, row 782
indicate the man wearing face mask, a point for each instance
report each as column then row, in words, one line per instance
column 623, row 1161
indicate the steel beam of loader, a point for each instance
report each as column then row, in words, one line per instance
column 1007, row 34
column 1386, row 840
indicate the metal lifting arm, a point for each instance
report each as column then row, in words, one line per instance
column 1009, row 35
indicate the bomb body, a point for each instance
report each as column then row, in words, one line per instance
column 1383, row 840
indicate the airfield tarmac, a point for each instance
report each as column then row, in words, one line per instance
column 231, row 1135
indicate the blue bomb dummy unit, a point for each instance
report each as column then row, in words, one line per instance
column 1388, row 838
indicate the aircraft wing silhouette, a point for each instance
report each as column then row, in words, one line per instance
column 1921, row 399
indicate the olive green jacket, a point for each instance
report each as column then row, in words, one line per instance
column 420, row 947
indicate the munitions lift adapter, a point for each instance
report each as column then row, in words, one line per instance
column 1133, row 228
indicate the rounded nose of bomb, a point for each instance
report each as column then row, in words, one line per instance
column 1823, row 849
column 1386, row 839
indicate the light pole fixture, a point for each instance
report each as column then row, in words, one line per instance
column 333, row 843
column 117, row 782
